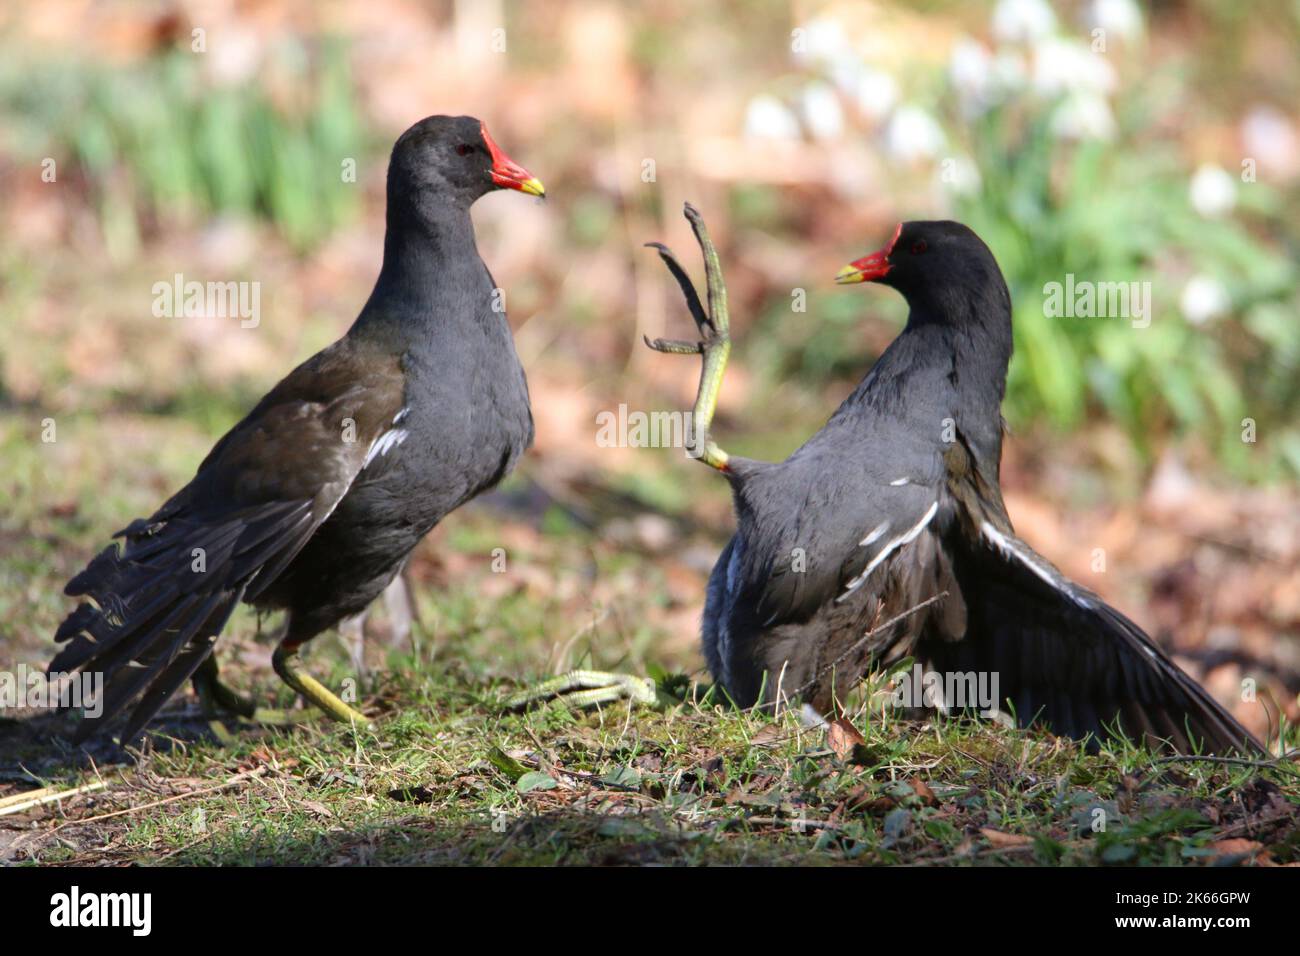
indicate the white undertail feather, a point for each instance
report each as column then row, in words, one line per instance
column 876, row 533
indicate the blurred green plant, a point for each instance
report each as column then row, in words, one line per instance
column 1062, row 158
column 157, row 141
column 1120, row 213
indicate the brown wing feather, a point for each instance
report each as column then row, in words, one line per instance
column 160, row 600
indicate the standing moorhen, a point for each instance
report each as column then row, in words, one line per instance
column 313, row 502
column 885, row 535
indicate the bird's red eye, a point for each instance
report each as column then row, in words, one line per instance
column 464, row 149
column 918, row 247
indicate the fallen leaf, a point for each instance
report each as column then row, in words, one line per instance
column 1241, row 850
column 1003, row 841
column 842, row 737
column 318, row 808
column 923, row 791
column 768, row 735
column 536, row 780
column 508, row 765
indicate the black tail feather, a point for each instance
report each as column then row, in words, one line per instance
column 155, row 608
column 182, row 668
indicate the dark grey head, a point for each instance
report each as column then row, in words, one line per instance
column 940, row 267
column 451, row 160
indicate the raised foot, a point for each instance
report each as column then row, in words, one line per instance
column 580, row 689
column 715, row 339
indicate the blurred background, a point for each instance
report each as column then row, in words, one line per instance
column 1110, row 140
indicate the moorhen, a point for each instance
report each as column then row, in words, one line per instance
column 312, row 503
column 885, row 535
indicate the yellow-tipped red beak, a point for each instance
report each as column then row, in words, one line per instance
column 508, row 174
column 533, row 186
column 869, row 268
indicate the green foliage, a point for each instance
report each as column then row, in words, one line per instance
column 1108, row 213
column 158, row 141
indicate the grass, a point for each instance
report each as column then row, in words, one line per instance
column 445, row 777
column 154, row 151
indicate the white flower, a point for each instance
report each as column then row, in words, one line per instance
column 1121, row 17
column 766, row 117
column 236, row 59
column 1083, row 116
column 1062, row 66
column 1204, row 298
column 1213, row 191
column 821, row 111
column 876, row 93
column 971, row 70
column 1270, row 138
column 913, row 134
column 1010, row 69
column 971, row 65
column 1015, row 20
column 825, row 39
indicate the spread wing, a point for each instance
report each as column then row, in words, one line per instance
column 1063, row 657
column 817, row 532
column 1066, row 659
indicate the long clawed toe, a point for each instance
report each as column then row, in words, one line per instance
column 582, row 688
column 715, row 344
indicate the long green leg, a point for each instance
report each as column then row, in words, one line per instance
column 590, row 688
column 215, row 699
column 214, row 695
column 715, row 344
column 283, row 660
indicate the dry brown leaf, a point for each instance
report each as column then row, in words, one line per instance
column 1253, row 851
column 317, row 808
column 842, row 737
column 1004, row 841
column 768, row 736
column 923, row 791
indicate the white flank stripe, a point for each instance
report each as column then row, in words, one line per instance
column 899, row 482
column 888, row 549
column 385, row 443
column 876, row 533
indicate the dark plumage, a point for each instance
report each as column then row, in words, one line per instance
column 894, row 502
column 312, row 503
